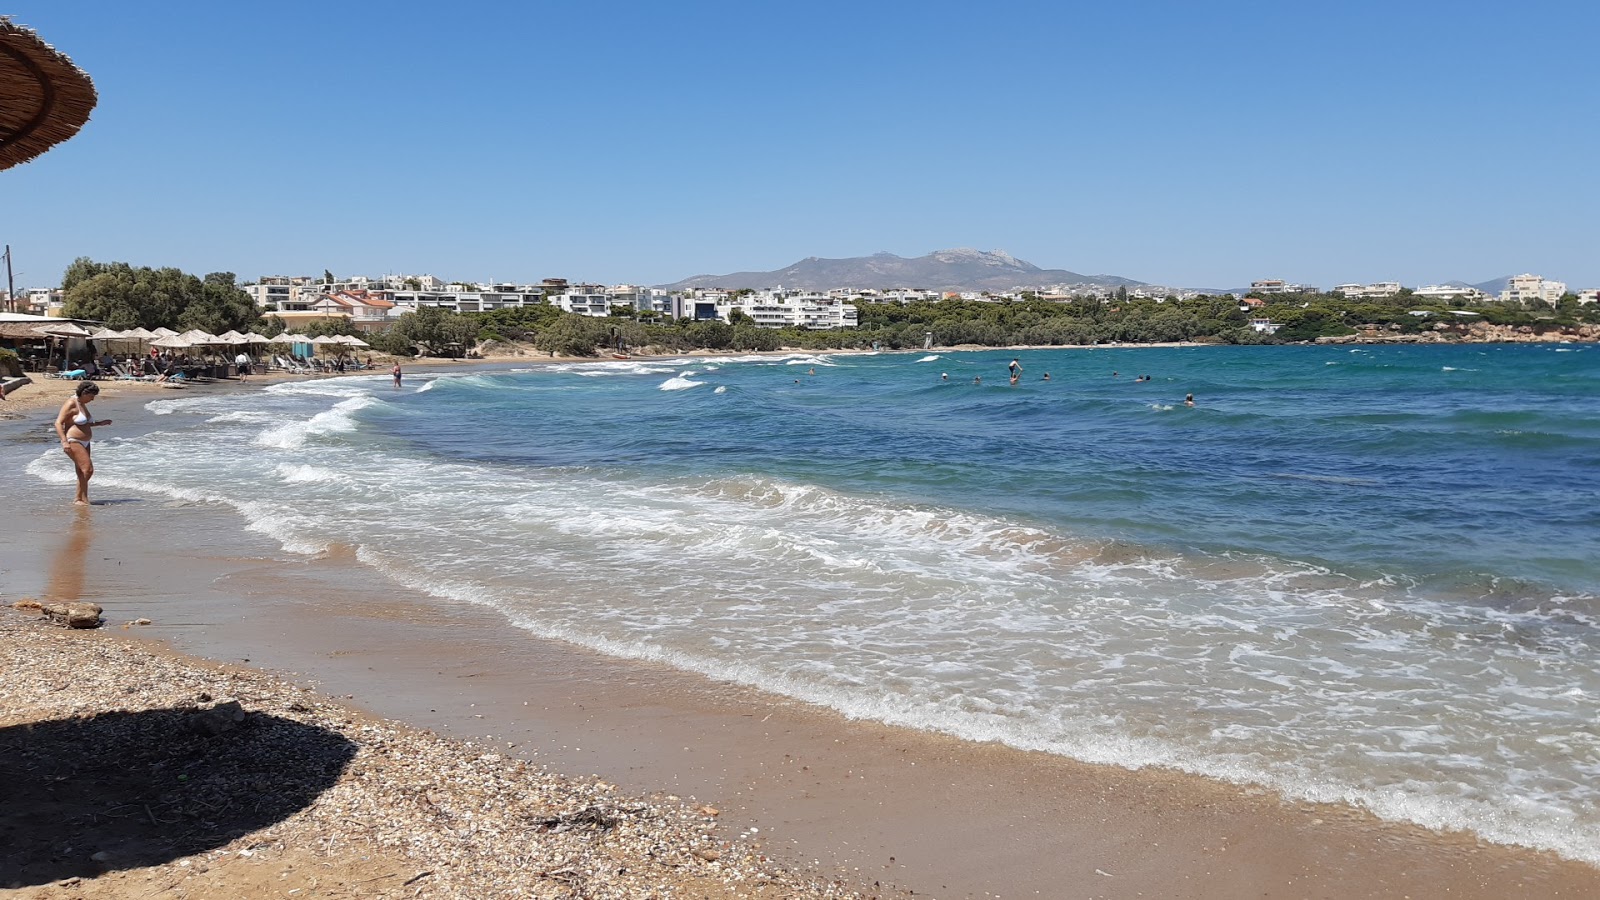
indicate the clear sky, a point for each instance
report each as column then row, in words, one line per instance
column 1184, row 143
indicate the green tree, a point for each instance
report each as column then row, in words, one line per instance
column 124, row 296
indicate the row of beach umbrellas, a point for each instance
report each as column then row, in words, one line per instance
column 167, row 339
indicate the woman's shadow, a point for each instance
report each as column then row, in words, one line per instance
column 122, row 790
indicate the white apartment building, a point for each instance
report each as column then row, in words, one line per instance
column 464, row 301
column 1451, row 293
column 1589, row 296
column 584, row 303
column 1278, row 286
column 792, row 309
column 1375, row 290
column 1533, row 289
column 642, row 298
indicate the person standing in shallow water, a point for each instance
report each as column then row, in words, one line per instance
column 396, row 373
column 76, row 430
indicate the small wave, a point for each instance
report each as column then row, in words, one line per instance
column 426, row 386
column 297, row 474
column 1161, row 407
column 929, row 358
column 680, row 383
column 721, row 389
column 292, row 435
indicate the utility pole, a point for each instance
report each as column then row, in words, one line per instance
column 11, row 287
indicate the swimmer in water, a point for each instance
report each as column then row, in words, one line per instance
column 1046, row 376
column 944, row 376
column 1015, row 368
column 977, row 379
column 1188, row 400
column 812, row 370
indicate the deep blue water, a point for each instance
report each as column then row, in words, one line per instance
column 1361, row 575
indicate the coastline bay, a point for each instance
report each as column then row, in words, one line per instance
column 869, row 482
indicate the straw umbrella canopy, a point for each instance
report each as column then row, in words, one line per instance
column 163, row 332
column 47, row 98
column 250, row 337
column 171, row 342
column 105, row 334
column 353, row 341
column 231, row 337
column 287, row 338
column 198, row 338
column 63, row 330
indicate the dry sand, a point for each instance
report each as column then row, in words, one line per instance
column 852, row 802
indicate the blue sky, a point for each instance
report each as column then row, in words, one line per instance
column 1175, row 142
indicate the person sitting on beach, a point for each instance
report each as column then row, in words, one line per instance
column 76, row 430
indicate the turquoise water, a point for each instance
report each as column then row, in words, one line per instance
column 1362, row 575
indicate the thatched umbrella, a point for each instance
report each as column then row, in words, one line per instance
column 47, row 98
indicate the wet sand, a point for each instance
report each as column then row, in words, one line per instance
column 943, row 817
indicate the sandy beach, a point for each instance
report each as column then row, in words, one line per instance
column 437, row 727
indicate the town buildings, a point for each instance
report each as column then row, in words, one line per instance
column 1533, row 289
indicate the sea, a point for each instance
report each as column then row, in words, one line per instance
column 1365, row 575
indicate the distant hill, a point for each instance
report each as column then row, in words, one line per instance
column 1494, row 286
column 961, row 269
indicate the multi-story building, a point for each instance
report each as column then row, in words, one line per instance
column 1533, row 289
column 584, row 303
column 791, row 309
column 1451, row 293
column 1589, row 296
column 1278, row 286
column 1372, row 291
column 468, row 298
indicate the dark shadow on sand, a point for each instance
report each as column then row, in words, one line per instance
column 145, row 788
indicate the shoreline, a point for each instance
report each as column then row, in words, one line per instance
column 960, row 819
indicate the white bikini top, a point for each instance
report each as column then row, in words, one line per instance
column 82, row 418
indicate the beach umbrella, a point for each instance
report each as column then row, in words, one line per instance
column 287, row 338
column 47, row 98
column 105, row 334
column 63, row 330
column 353, row 341
column 250, row 337
column 231, row 337
column 163, row 332
column 171, row 342
column 198, row 338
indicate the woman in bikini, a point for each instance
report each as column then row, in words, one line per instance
column 76, row 429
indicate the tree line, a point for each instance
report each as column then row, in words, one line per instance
column 125, row 296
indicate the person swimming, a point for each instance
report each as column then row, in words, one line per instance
column 1188, row 400
column 944, row 376
column 1046, row 377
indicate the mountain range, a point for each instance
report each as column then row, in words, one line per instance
column 961, row 269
